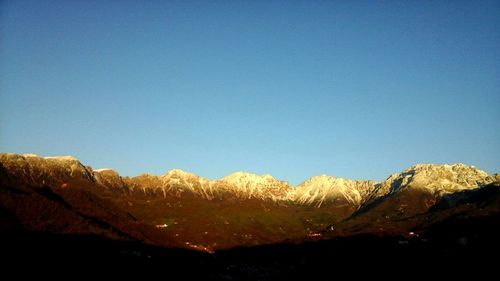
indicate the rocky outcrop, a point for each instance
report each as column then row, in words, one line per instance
column 110, row 179
column 326, row 189
column 248, row 185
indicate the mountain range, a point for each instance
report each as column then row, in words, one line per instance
column 62, row 196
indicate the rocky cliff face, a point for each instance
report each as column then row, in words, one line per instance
column 238, row 185
column 175, row 183
column 247, row 185
column 326, row 189
column 437, row 179
column 53, row 171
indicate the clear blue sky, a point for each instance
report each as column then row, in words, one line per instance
column 357, row 89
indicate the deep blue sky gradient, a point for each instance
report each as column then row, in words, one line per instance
column 357, row 89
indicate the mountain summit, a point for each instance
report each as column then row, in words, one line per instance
column 437, row 178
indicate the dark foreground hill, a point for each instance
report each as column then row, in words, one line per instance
column 457, row 247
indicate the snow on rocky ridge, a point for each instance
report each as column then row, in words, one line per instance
column 316, row 191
